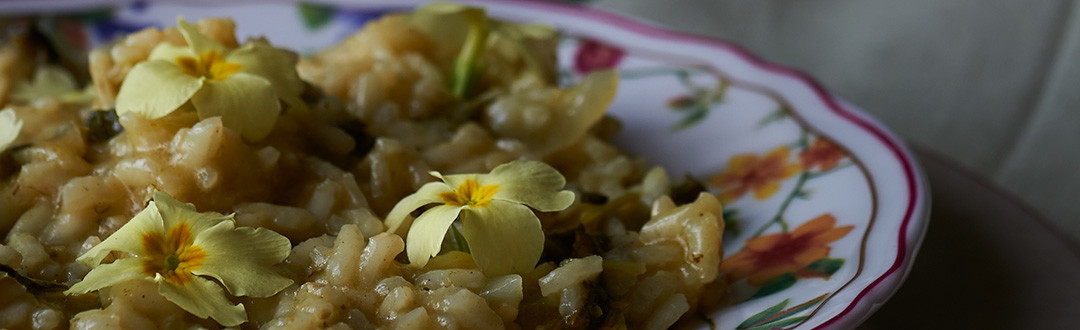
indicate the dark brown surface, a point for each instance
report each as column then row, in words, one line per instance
column 988, row 262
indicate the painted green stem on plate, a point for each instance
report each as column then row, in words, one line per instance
column 768, row 318
column 797, row 191
column 779, row 217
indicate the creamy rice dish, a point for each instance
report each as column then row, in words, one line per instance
column 427, row 172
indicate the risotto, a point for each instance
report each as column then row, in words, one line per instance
column 427, row 172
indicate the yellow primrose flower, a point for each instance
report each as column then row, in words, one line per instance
column 504, row 235
column 242, row 85
column 175, row 246
column 9, row 128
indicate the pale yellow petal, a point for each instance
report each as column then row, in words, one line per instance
column 128, row 238
column 246, row 103
column 580, row 109
column 173, row 212
column 203, row 298
column 243, row 259
column 54, row 76
column 199, row 43
column 504, row 237
column 49, row 81
column 169, row 52
column 427, row 233
column 168, row 204
column 109, row 274
column 10, row 126
column 155, row 89
column 530, row 182
column 428, row 194
column 278, row 66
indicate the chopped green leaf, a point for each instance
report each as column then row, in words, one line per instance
column 364, row 141
column 102, row 125
column 471, row 33
column 459, row 239
column 465, row 72
column 450, row 25
column 30, row 283
column 687, row 191
column 593, row 198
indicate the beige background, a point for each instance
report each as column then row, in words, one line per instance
column 993, row 84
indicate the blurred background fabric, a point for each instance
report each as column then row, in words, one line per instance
column 993, row 84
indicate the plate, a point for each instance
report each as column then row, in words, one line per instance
column 826, row 208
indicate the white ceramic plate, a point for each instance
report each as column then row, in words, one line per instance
column 826, row 207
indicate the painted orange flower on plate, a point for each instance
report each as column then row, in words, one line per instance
column 753, row 172
column 823, row 154
column 768, row 256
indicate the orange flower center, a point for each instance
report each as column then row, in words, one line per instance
column 209, row 65
column 470, row 193
column 172, row 255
